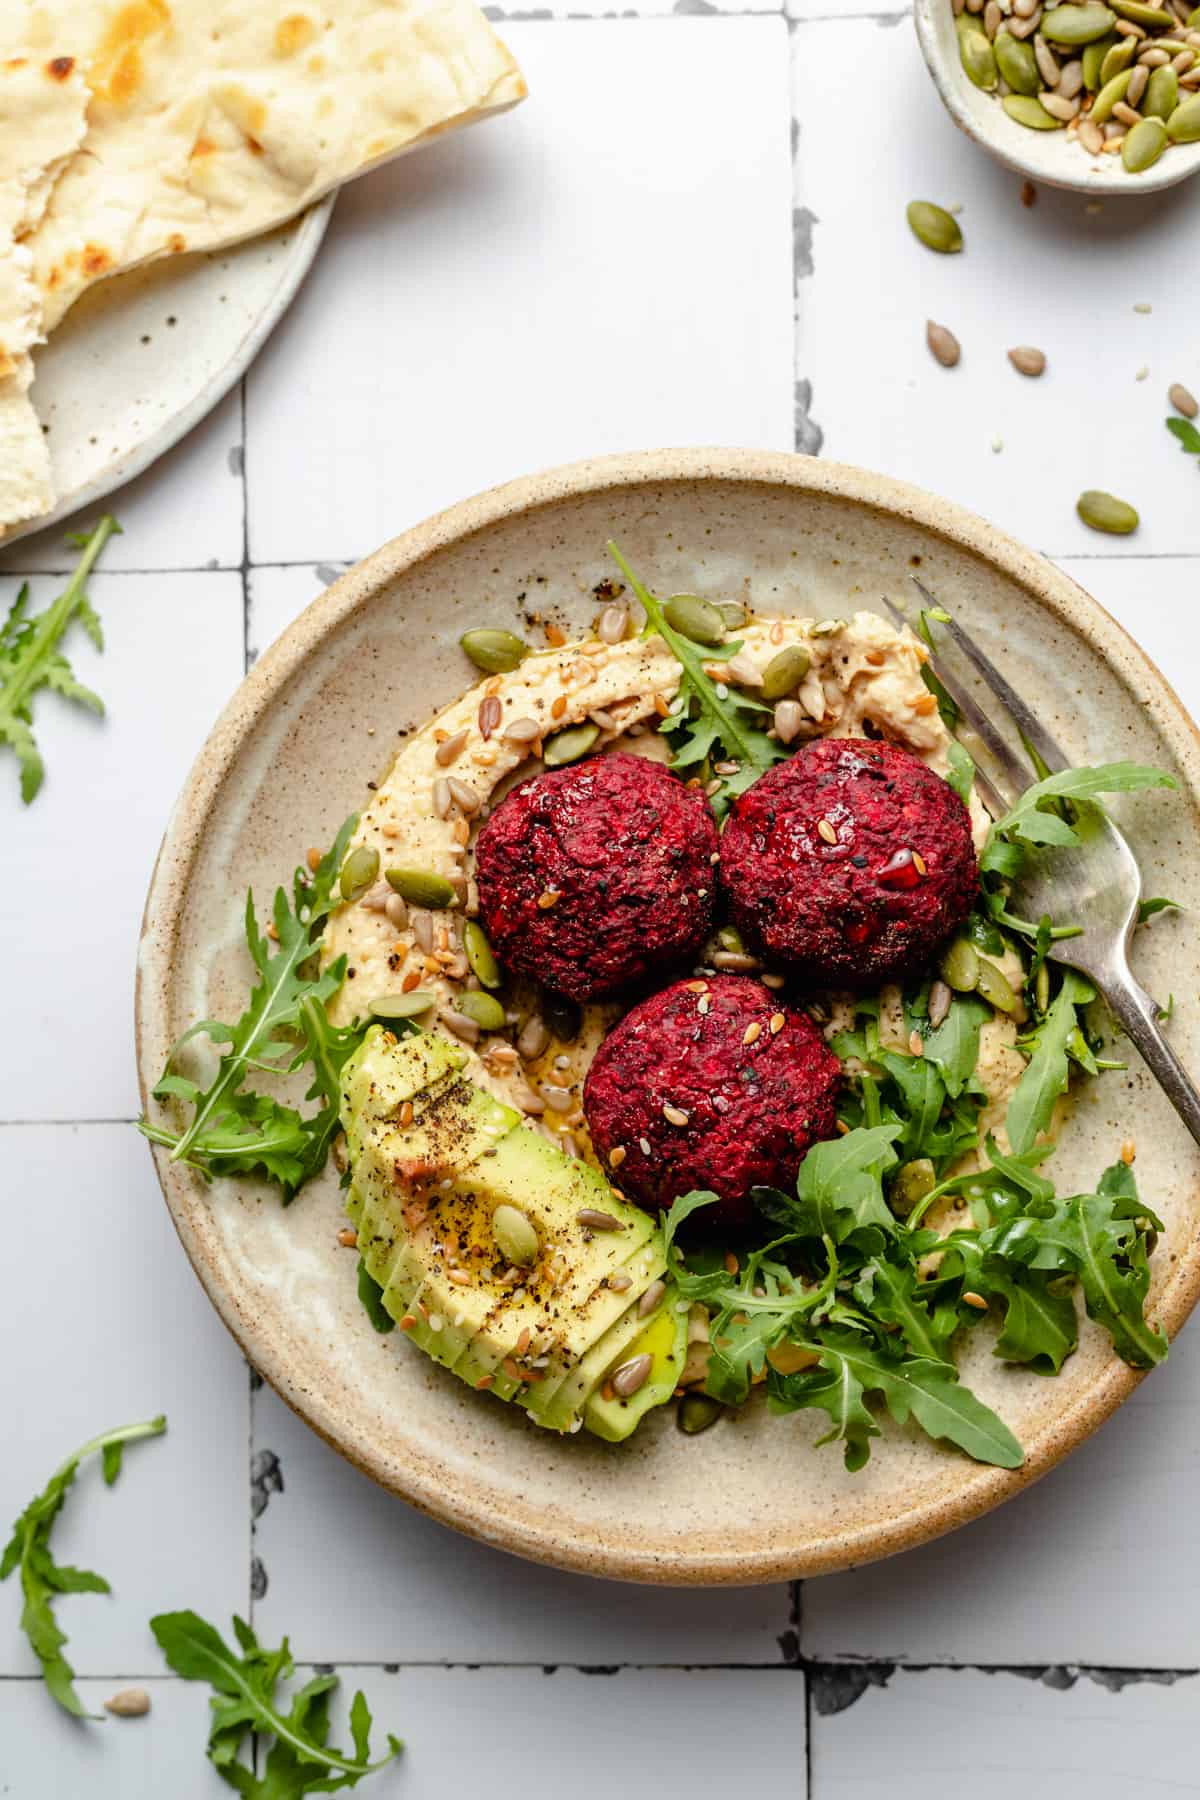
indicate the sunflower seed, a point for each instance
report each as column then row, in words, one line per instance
column 1182, row 400
column 632, row 1375
column 522, row 731
column 612, row 624
column 592, row 1220
column 650, row 1298
column 453, row 746
column 789, row 720
column 943, row 344
column 1027, row 359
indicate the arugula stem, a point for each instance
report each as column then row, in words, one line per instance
column 55, row 619
column 121, row 1434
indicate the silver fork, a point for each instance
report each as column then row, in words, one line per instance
column 1095, row 884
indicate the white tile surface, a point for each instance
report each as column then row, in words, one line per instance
column 116, row 1328
column 997, row 1735
column 1154, row 600
column 643, row 1734
column 1051, row 275
column 186, row 512
column 395, row 1587
column 79, row 858
column 633, row 292
column 44, row 1755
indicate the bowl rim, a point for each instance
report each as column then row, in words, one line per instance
column 1109, row 180
column 409, row 1472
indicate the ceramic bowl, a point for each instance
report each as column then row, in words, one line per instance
column 1044, row 156
column 751, row 1500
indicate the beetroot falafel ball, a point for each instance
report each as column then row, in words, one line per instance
column 710, row 1084
column 592, row 876
column 852, row 862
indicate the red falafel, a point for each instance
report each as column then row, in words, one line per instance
column 710, row 1084
column 852, row 862
column 595, row 876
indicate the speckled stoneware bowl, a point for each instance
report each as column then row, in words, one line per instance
column 317, row 718
column 1050, row 157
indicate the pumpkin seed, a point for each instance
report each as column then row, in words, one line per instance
column 1183, row 126
column 401, row 1006
column 516, row 1238
column 1162, row 96
column 995, row 988
column 1183, row 400
column 485, row 1009
column 696, row 1413
column 358, row 873
column 1094, row 55
column 976, row 54
column 1144, row 143
column 1029, row 112
column 1150, row 18
column 1107, row 98
column 1078, row 24
column 944, row 346
column 1104, row 512
column 568, row 746
column 480, row 955
column 934, row 227
column 959, row 965
column 910, row 1184
column 734, row 615
column 785, row 671
column 1017, row 64
column 1117, row 58
column 696, row 619
column 1193, row 20
column 421, row 887
column 1028, row 360
column 496, row 651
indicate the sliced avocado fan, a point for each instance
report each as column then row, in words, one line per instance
column 559, row 1315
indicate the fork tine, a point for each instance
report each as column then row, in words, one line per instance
column 996, row 801
column 1029, row 726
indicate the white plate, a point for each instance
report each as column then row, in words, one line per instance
column 143, row 358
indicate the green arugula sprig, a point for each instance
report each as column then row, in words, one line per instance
column 300, row 1760
column 30, row 657
column 1037, row 820
column 42, row 1579
column 1186, row 432
column 235, row 1129
column 877, row 1302
column 725, row 726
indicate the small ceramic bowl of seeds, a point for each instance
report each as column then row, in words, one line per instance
column 1098, row 95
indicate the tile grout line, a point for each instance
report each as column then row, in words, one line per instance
column 808, row 1667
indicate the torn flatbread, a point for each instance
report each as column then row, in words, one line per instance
column 43, row 107
column 214, row 120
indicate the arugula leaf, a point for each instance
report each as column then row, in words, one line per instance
column 30, row 658
column 1047, row 1072
column 42, row 1578
column 962, row 771
column 915, row 1387
column 1186, row 432
column 727, row 722
column 892, row 1292
column 235, row 1130
column 1032, row 824
column 836, row 1388
column 840, row 1185
column 953, row 1046
column 300, row 1760
column 1148, row 908
column 371, row 1295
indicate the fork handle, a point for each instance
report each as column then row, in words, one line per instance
column 1134, row 1009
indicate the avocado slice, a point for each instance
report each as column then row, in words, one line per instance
column 432, row 1159
column 664, row 1339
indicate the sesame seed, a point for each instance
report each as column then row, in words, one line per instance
column 548, row 899
column 916, row 1043
column 843, row 1128
column 644, row 1146
column 1128, row 1151
column 350, row 1238
column 919, row 863
column 778, row 1021
column 406, row 1113
column 752, row 1033
column 675, row 1115
column 407, row 1322
column 826, row 831
column 485, row 1381
column 703, row 1004
column 616, row 1156
column 975, row 1300
column 731, row 1263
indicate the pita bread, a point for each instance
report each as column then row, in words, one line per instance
column 43, row 106
column 213, row 120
